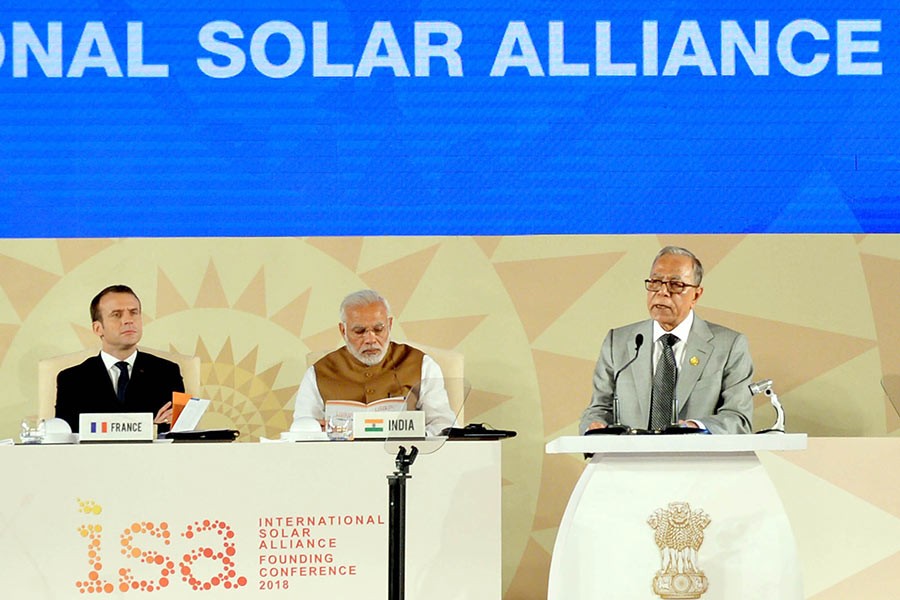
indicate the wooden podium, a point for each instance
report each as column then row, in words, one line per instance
column 690, row 516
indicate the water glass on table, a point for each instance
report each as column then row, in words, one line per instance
column 339, row 427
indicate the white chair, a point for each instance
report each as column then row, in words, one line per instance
column 49, row 368
column 452, row 364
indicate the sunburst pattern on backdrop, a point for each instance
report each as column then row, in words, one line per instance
column 528, row 313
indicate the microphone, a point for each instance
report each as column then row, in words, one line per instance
column 761, row 387
column 638, row 342
column 765, row 387
column 617, row 428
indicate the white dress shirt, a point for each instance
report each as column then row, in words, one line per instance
column 681, row 331
column 109, row 361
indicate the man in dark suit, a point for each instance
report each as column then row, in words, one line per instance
column 121, row 378
column 710, row 367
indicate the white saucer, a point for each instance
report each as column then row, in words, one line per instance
column 304, row 436
column 59, row 438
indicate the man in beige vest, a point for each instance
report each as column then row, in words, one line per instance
column 371, row 367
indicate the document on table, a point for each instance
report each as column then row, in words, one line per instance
column 190, row 416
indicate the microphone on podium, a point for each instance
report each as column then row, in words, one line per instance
column 617, row 428
column 765, row 387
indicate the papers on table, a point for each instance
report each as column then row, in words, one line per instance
column 192, row 410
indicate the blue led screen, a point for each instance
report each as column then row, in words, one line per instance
column 282, row 118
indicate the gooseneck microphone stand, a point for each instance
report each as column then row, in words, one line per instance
column 765, row 387
column 618, row 428
column 397, row 522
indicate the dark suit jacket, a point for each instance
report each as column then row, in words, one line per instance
column 87, row 388
column 714, row 391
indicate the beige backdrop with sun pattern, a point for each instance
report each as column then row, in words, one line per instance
column 529, row 314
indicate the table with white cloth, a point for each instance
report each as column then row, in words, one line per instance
column 209, row 520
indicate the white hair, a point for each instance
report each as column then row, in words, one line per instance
column 362, row 298
column 679, row 251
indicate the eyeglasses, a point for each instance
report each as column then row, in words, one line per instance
column 673, row 285
column 360, row 332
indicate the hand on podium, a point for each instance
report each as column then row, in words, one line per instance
column 681, row 427
column 599, row 427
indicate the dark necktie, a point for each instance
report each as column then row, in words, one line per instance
column 664, row 384
column 123, row 380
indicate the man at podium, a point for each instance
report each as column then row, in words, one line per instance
column 689, row 373
column 371, row 367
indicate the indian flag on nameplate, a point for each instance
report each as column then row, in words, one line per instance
column 374, row 425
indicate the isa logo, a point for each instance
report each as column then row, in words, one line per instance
column 147, row 548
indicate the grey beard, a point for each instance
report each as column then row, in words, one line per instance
column 369, row 361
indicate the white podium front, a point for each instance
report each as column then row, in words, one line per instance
column 686, row 516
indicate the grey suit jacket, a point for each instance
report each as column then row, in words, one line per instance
column 714, row 390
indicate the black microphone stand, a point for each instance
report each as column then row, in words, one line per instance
column 397, row 522
column 614, row 428
column 618, row 428
column 673, row 428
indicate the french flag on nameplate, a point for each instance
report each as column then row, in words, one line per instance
column 116, row 427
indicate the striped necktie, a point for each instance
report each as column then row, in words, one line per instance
column 664, row 380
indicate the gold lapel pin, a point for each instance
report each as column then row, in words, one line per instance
column 695, row 361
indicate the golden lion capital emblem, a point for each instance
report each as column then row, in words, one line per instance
column 679, row 535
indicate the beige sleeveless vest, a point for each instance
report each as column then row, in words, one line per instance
column 341, row 377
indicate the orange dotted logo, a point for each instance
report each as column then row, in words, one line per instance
column 91, row 532
column 227, row 576
column 219, row 560
column 151, row 557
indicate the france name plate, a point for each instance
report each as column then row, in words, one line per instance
column 115, row 427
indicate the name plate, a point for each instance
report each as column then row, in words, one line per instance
column 115, row 427
column 388, row 424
